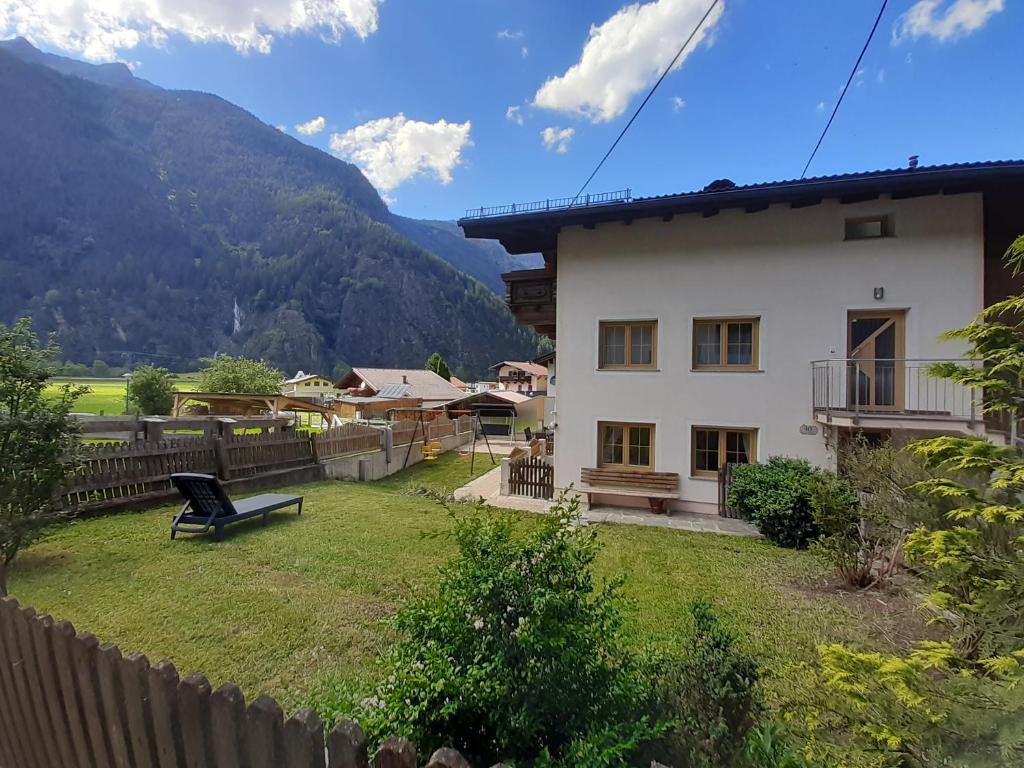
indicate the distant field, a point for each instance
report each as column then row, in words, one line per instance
column 106, row 396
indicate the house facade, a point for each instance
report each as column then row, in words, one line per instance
column 527, row 378
column 309, row 386
column 737, row 323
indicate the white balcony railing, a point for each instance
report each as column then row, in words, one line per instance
column 900, row 387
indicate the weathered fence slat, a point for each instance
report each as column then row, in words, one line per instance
column 395, row 753
column 227, row 719
column 21, row 738
column 304, row 740
column 30, row 667
column 135, row 687
column 163, row 685
column 264, row 732
column 194, row 710
column 347, row 746
column 108, row 668
column 83, row 653
column 63, row 638
column 42, row 632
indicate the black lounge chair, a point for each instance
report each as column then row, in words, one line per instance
column 207, row 506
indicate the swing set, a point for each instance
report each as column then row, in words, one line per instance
column 431, row 449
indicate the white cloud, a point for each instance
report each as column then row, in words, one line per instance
column 625, row 55
column 524, row 51
column 942, row 21
column 282, row 128
column 820, row 107
column 678, row 103
column 515, row 114
column 312, row 127
column 557, row 139
column 99, row 29
column 508, row 34
column 880, row 76
column 392, row 150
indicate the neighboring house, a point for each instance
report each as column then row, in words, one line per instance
column 400, row 383
column 309, row 386
column 481, row 386
column 741, row 322
column 458, row 383
column 525, row 377
column 549, row 412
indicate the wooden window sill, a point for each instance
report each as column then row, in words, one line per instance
column 726, row 369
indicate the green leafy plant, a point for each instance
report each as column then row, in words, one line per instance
column 518, row 654
column 710, row 690
column 37, row 441
column 776, row 497
column 151, row 390
column 768, row 745
column 437, row 364
column 239, row 375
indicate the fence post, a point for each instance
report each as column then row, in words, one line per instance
column 395, row 753
column 223, row 461
column 153, row 429
column 506, row 469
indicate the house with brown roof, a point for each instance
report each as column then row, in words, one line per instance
column 400, row 383
column 525, row 377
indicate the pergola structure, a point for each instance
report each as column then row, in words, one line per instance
column 233, row 404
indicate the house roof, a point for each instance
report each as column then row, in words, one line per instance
column 544, row 359
column 414, row 382
column 490, row 396
column 300, row 376
column 538, row 230
column 458, row 383
column 532, row 368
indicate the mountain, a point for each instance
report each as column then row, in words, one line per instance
column 150, row 225
column 483, row 259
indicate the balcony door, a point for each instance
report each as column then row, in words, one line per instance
column 876, row 367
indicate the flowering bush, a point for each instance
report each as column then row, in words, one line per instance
column 518, row 655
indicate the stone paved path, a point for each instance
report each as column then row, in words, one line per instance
column 488, row 487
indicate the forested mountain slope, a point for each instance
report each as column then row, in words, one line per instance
column 171, row 225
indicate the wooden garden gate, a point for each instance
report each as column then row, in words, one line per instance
column 532, row 476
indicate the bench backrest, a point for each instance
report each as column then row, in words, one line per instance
column 661, row 481
column 204, row 493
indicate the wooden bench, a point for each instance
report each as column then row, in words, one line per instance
column 656, row 487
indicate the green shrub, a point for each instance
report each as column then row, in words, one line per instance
column 769, row 746
column 518, row 654
column 151, row 390
column 776, row 497
column 710, row 692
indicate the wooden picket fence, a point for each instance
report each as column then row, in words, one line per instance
column 112, row 473
column 68, row 701
column 346, row 440
column 251, row 455
column 531, row 475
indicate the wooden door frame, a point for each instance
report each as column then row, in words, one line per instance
column 899, row 317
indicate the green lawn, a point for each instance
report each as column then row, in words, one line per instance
column 106, row 396
column 286, row 608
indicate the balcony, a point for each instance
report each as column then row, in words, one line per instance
column 893, row 394
column 531, row 297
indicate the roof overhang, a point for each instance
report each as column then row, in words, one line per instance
column 538, row 231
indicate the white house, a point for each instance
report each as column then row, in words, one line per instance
column 310, row 386
column 740, row 322
column 529, row 378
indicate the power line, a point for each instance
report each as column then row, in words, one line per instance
column 648, row 97
column 853, row 73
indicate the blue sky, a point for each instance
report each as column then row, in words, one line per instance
column 942, row 79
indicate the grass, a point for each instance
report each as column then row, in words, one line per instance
column 302, row 603
column 106, row 396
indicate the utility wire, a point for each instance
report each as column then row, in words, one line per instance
column 647, row 98
column 853, row 73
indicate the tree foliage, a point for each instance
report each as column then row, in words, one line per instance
column 776, row 497
column 437, row 364
column 240, row 375
column 37, row 440
column 151, row 390
column 519, row 653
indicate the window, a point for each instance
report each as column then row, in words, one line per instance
column 714, row 447
column 628, row 344
column 626, row 446
column 726, row 344
column 869, row 227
